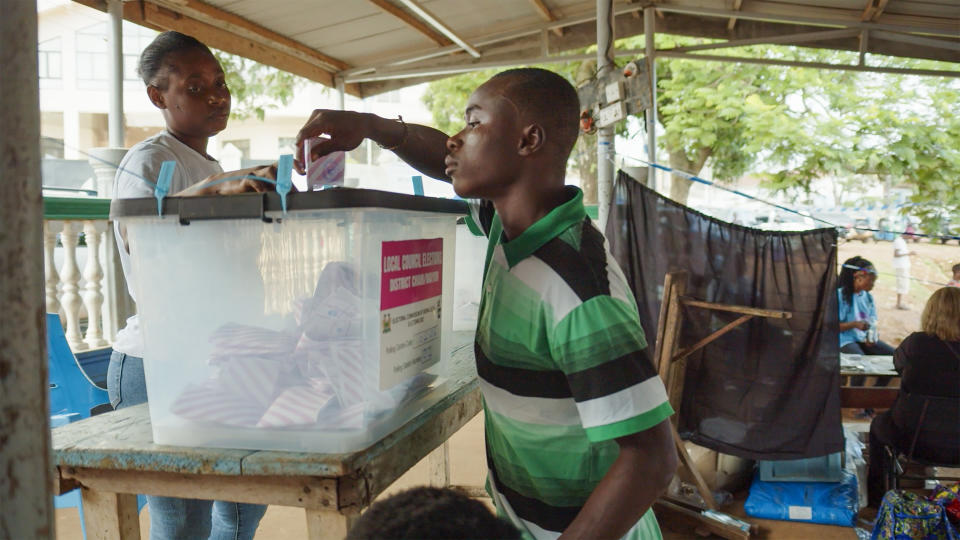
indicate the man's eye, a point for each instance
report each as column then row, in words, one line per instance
column 222, row 84
column 473, row 124
column 193, row 89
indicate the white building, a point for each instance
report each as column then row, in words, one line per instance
column 74, row 73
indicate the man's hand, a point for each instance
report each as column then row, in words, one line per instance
column 246, row 184
column 345, row 129
column 861, row 325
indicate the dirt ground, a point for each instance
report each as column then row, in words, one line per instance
column 932, row 263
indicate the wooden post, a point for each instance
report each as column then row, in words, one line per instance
column 105, row 513
column 671, row 319
column 25, row 483
column 328, row 523
column 438, row 462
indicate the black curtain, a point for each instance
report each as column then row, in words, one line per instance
column 769, row 389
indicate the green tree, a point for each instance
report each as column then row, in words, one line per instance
column 256, row 87
column 789, row 125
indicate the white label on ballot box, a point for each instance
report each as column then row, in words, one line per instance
column 410, row 292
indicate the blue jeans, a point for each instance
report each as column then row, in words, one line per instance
column 172, row 518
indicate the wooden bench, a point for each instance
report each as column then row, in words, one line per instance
column 867, row 397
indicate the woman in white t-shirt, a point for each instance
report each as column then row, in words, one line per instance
column 185, row 81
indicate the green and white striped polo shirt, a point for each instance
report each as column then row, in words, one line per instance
column 563, row 368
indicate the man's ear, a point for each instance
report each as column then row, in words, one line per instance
column 532, row 139
column 156, row 97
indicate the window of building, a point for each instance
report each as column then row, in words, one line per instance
column 135, row 40
column 49, row 58
column 93, row 61
column 92, row 53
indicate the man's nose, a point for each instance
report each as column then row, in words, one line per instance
column 454, row 143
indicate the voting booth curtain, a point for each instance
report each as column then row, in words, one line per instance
column 770, row 389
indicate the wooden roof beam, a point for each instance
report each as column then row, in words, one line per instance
column 546, row 14
column 235, row 24
column 153, row 16
column 873, row 10
column 437, row 24
column 412, row 22
column 733, row 20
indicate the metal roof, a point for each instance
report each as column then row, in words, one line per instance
column 378, row 45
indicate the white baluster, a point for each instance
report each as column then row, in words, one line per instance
column 50, row 230
column 93, row 274
column 70, row 278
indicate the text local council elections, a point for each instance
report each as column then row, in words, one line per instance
column 412, row 261
column 395, row 263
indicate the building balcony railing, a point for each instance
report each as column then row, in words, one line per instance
column 84, row 281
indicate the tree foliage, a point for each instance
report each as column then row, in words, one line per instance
column 789, row 125
column 256, row 87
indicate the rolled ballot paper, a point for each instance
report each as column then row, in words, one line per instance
column 325, row 171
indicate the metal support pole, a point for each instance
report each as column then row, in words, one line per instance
column 341, row 92
column 27, row 476
column 649, row 29
column 115, row 46
column 605, row 142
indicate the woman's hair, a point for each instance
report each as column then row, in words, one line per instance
column 941, row 315
column 151, row 60
column 850, row 267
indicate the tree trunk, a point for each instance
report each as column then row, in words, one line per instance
column 680, row 185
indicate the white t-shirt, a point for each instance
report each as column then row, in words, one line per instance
column 900, row 248
column 144, row 159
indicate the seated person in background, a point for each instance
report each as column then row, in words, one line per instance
column 427, row 512
column 929, row 364
column 858, row 313
column 955, row 282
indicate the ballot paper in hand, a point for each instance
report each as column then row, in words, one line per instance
column 325, row 171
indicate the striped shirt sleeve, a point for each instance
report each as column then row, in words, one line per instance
column 601, row 349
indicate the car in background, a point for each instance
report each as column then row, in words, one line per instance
column 860, row 230
column 837, row 220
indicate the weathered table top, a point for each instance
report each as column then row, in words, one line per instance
column 867, row 364
column 122, row 440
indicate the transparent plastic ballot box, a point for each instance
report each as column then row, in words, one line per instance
column 321, row 328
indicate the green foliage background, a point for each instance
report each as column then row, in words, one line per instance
column 788, row 125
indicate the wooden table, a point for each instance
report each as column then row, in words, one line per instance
column 112, row 457
column 866, row 364
column 867, row 397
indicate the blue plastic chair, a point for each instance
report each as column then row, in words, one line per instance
column 73, row 396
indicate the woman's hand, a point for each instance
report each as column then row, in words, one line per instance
column 861, row 325
column 246, row 184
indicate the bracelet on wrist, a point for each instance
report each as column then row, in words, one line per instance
column 403, row 136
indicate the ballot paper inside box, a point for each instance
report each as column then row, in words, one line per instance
column 322, row 329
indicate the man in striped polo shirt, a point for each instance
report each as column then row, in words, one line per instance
column 578, row 440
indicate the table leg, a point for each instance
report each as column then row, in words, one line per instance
column 329, row 524
column 438, row 462
column 109, row 516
